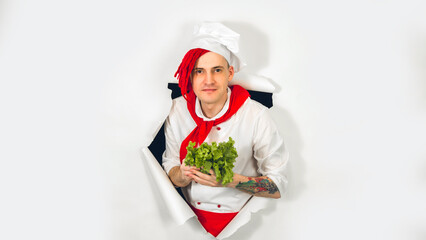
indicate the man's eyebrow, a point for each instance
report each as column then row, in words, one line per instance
column 199, row 68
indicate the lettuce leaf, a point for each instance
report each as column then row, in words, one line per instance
column 220, row 158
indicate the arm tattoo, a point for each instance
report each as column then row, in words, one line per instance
column 256, row 185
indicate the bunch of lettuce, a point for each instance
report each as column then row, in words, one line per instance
column 220, row 158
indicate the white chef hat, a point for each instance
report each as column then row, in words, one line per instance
column 218, row 38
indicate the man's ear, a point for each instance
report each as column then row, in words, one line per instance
column 231, row 73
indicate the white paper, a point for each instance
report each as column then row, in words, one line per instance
column 253, row 82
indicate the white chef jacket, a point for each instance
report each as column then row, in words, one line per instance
column 260, row 148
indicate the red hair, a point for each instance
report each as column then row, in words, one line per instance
column 185, row 69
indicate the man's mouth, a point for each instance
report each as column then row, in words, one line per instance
column 209, row 90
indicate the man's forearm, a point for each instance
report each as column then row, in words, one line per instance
column 176, row 177
column 258, row 186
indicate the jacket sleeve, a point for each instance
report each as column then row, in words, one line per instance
column 270, row 152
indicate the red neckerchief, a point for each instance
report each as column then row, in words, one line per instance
column 238, row 96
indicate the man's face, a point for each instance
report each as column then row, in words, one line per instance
column 210, row 78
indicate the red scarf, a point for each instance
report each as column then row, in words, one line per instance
column 238, row 96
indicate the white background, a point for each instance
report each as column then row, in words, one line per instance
column 84, row 84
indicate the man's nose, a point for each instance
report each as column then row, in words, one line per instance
column 209, row 78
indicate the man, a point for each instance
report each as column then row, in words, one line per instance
column 210, row 111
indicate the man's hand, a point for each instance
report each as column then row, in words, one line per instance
column 186, row 172
column 181, row 175
column 205, row 179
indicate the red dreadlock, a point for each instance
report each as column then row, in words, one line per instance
column 185, row 68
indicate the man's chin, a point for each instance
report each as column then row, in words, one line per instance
column 208, row 101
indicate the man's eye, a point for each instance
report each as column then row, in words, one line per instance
column 218, row 70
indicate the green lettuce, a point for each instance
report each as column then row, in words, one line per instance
column 220, row 158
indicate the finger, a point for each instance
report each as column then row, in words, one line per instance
column 202, row 175
column 187, row 173
column 187, row 168
column 204, row 182
column 188, row 176
column 209, row 178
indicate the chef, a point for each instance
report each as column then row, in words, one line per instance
column 210, row 110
